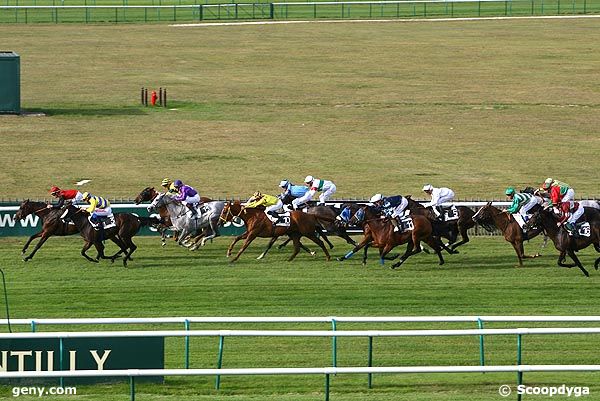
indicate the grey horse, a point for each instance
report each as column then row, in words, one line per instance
column 186, row 225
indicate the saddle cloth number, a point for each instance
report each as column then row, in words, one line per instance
column 584, row 229
column 406, row 224
column 451, row 213
column 284, row 220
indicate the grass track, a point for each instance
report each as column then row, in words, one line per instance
column 173, row 282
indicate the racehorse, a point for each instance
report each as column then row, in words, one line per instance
column 564, row 243
column 147, row 195
column 187, row 225
column 489, row 217
column 380, row 233
column 452, row 228
column 126, row 226
column 258, row 225
column 52, row 224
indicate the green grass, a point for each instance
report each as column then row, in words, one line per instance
column 385, row 107
column 170, row 281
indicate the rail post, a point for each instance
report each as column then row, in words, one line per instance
column 60, row 360
column 326, row 386
column 132, row 388
column 481, row 345
column 370, row 361
column 33, row 326
column 519, row 360
column 187, row 345
column 333, row 345
column 219, row 362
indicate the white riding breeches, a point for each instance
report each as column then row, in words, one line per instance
column 191, row 199
column 275, row 207
column 527, row 207
column 569, row 196
column 327, row 193
column 575, row 215
column 103, row 212
column 399, row 210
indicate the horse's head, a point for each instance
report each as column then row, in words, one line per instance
column 160, row 200
column 146, row 195
column 25, row 209
column 485, row 216
column 229, row 212
column 534, row 220
column 358, row 217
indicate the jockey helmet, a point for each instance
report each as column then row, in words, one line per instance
column 165, row 182
column 85, row 195
column 547, row 183
column 284, row 184
column 54, row 190
column 309, row 179
column 509, row 191
column 427, row 187
column 177, row 183
column 376, row 198
column 257, row 195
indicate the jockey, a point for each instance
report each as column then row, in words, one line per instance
column 438, row 196
column 99, row 207
column 291, row 191
column 571, row 212
column 167, row 186
column 391, row 206
column 559, row 192
column 186, row 195
column 271, row 203
column 521, row 202
column 63, row 195
column 315, row 185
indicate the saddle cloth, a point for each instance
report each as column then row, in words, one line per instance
column 583, row 229
column 282, row 221
column 105, row 222
column 450, row 213
column 406, row 224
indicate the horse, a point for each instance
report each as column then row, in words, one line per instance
column 563, row 242
column 448, row 229
column 489, row 217
column 258, row 225
column 147, row 195
column 126, row 226
column 187, row 225
column 380, row 233
column 51, row 224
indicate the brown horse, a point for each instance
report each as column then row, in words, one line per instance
column 380, row 233
column 126, row 227
column 147, row 195
column 258, row 225
column 52, row 224
column 489, row 217
column 451, row 228
column 564, row 243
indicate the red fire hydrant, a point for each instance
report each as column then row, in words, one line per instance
column 153, row 98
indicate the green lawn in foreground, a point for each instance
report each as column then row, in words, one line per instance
column 376, row 107
column 171, row 281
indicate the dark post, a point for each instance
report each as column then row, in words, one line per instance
column 165, row 97
column 160, row 95
column 145, row 96
column 142, row 95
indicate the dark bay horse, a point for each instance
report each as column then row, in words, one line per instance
column 489, row 217
column 380, row 233
column 52, row 224
column 127, row 226
column 258, row 225
column 564, row 243
column 147, row 195
column 452, row 228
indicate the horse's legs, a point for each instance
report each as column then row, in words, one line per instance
column 249, row 238
column 324, row 235
column 343, row 234
column 34, row 236
column 269, row 245
column 518, row 246
column 235, row 240
column 366, row 249
column 296, row 241
column 284, row 243
column 465, row 238
column 87, row 245
column 214, row 227
column 576, row 260
column 366, row 239
column 435, row 246
column 313, row 237
column 407, row 253
column 37, row 246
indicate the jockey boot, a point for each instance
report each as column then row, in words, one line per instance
column 192, row 209
column 439, row 211
column 571, row 229
column 395, row 224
